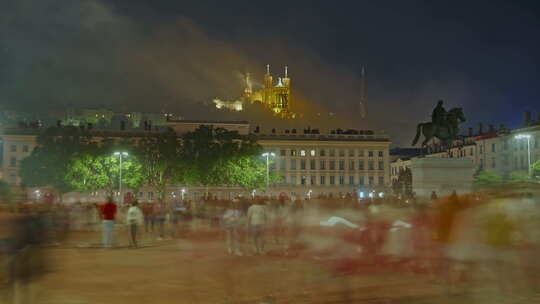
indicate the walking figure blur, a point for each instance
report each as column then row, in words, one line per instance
column 148, row 212
column 230, row 223
column 134, row 220
column 108, row 216
column 256, row 221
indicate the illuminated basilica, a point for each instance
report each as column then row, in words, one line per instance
column 275, row 96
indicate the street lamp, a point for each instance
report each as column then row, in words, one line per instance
column 528, row 137
column 183, row 193
column 121, row 155
column 267, row 155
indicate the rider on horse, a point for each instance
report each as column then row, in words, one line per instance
column 438, row 117
column 444, row 125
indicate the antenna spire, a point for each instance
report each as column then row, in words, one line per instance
column 267, row 69
column 286, row 72
column 363, row 93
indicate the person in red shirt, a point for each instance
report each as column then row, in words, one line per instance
column 108, row 216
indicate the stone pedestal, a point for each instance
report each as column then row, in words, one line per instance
column 442, row 175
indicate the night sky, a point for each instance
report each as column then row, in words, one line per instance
column 179, row 55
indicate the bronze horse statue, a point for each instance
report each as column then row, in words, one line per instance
column 444, row 132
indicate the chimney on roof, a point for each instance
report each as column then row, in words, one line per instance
column 527, row 118
column 480, row 129
column 470, row 132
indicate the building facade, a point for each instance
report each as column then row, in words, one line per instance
column 328, row 164
column 504, row 152
column 309, row 164
column 16, row 146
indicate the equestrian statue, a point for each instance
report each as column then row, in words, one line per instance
column 443, row 126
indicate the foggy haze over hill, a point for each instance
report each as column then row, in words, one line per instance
column 131, row 57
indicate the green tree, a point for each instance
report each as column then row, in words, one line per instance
column 97, row 168
column 159, row 155
column 486, row 178
column 519, row 178
column 535, row 170
column 48, row 163
column 249, row 173
column 216, row 156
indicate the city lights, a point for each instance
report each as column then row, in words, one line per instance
column 121, row 155
column 268, row 155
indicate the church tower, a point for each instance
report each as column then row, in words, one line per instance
column 282, row 92
column 268, row 87
column 248, row 89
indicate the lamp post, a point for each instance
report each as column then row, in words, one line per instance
column 528, row 137
column 121, row 155
column 267, row 155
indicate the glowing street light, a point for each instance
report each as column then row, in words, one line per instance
column 267, row 155
column 183, row 193
column 121, row 155
column 528, row 137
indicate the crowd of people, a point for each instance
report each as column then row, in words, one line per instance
column 449, row 239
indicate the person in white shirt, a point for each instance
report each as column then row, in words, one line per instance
column 134, row 219
column 256, row 220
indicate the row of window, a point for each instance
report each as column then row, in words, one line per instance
column 331, row 152
column 360, row 164
column 332, row 180
column 519, row 163
column 13, row 148
column 521, row 145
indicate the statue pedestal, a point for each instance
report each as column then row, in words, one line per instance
column 442, row 175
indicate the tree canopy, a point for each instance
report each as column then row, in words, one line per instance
column 71, row 159
column 216, row 156
column 487, row 178
column 535, row 170
column 97, row 168
column 160, row 161
column 48, row 163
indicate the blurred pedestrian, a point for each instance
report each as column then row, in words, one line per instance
column 148, row 212
column 256, row 221
column 29, row 263
column 7, row 238
column 230, row 223
column 134, row 219
column 108, row 215
column 160, row 213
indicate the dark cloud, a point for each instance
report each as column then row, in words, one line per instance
column 130, row 55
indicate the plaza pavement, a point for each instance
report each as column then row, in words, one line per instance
column 198, row 270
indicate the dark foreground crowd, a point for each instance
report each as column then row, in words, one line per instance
column 451, row 240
